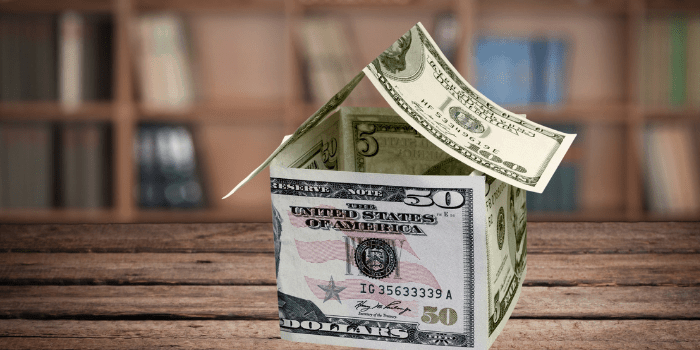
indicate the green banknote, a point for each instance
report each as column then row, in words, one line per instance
column 380, row 260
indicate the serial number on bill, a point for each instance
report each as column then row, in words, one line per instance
column 430, row 293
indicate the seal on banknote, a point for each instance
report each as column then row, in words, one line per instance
column 375, row 258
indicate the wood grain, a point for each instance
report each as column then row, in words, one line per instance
column 138, row 238
column 247, row 269
column 569, row 238
column 588, row 286
column 518, row 334
column 260, row 302
column 140, row 268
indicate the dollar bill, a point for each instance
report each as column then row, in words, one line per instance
column 506, row 249
column 428, row 92
column 381, row 261
column 377, row 140
column 371, row 140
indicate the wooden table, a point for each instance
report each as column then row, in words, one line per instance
column 212, row 286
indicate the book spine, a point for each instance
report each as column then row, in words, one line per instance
column 41, row 165
column 148, row 194
column 15, row 137
column 538, row 52
column 693, row 61
column 678, row 42
column 320, row 78
column 5, row 56
column 92, row 151
column 654, row 184
column 658, row 69
column 687, row 177
column 104, row 58
column 45, row 58
column 446, row 32
column 70, row 61
column 70, row 166
column 504, row 69
column 27, row 58
column 555, row 71
column 663, row 164
column 88, row 68
column 12, row 88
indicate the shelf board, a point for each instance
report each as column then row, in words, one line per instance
column 57, row 216
column 55, row 5
column 269, row 6
column 242, row 112
column 186, row 215
column 670, row 217
column 675, row 5
column 672, row 114
column 552, row 6
column 55, row 111
column 395, row 6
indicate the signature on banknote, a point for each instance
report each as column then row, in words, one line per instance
column 366, row 305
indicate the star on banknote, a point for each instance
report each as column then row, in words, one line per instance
column 332, row 291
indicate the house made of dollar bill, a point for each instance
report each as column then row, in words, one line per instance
column 406, row 227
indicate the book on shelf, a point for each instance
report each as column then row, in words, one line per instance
column 27, row 57
column 84, row 165
column 26, row 165
column 71, row 59
column 520, row 71
column 328, row 59
column 672, row 179
column 168, row 170
column 164, row 62
column 693, row 61
column 679, row 37
column 671, row 61
column 446, row 29
column 97, row 57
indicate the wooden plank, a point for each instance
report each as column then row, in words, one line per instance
column 54, row 111
column 567, row 237
column 614, row 237
column 520, row 334
column 246, row 269
column 613, row 269
column 138, row 238
column 259, row 302
column 144, row 268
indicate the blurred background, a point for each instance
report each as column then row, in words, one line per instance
column 152, row 110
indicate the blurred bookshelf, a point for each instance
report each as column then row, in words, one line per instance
column 246, row 74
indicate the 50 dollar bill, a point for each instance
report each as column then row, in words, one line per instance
column 381, row 261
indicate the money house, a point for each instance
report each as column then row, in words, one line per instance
column 367, row 247
column 406, row 227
